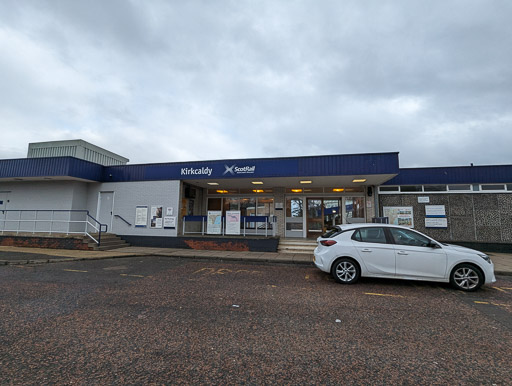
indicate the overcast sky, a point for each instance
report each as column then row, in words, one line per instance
column 163, row 81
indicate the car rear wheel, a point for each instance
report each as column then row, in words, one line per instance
column 345, row 271
column 466, row 277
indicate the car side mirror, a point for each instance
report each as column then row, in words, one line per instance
column 434, row 245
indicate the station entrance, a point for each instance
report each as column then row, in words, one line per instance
column 311, row 216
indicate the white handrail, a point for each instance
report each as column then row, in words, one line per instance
column 50, row 222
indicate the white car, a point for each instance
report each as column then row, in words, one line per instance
column 381, row 250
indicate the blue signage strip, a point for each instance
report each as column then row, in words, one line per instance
column 360, row 164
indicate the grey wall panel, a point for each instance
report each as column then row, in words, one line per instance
column 127, row 195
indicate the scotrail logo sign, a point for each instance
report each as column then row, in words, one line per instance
column 234, row 170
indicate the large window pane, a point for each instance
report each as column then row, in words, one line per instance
column 231, row 203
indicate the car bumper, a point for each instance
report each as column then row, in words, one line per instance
column 320, row 259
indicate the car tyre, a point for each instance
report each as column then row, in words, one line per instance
column 466, row 277
column 346, row 271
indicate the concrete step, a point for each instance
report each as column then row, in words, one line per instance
column 108, row 242
column 296, row 246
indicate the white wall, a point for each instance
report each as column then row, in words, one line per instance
column 128, row 195
column 44, row 195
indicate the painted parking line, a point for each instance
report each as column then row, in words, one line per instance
column 492, row 303
column 223, row 271
column 125, row 274
column 389, row 295
column 502, row 289
column 74, row 270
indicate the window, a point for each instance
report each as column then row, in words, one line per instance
column 411, row 188
column 459, row 187
column 370, row 235
column 331, row 233
column 434, row 188
column 493, row 187
column 406, row 237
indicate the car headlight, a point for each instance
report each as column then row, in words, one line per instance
column 485, row 257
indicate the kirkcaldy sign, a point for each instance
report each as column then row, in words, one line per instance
column 232, row 170
column 204, row 171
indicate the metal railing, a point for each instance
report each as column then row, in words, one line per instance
column 122, row 219
column 51, row 221
column 249, row 225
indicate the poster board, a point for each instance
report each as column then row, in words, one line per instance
column 141, row 216
column 233, row 222
column 436, row 222
column 156, row 216
column 399, row 215
column 169, row 222
column 214, row 222
column 435, row 210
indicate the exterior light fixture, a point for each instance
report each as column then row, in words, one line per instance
column 306, row 182
column 222, row 191
column 297, row 190
column 213, row 183
column 258, row 190
column 338, row 189
column 359, row 180
column 257, row 182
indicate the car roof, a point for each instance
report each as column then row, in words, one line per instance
column 366, row 225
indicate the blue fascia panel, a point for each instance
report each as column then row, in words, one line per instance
column 50, row 167
column 358, row 164
column 453, row 175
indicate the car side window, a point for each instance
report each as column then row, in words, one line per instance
column 370, row 235
column 407, row 237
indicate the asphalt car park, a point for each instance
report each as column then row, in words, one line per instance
column 170, row 320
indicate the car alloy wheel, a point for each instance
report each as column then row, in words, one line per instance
column 466, row 278
column 346, row 271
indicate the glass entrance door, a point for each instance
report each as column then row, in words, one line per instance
column 314, row 219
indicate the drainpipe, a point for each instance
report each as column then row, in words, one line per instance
column 376, row 201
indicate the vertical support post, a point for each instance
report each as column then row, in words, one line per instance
column 184, row 225
column 35, row 222
column 51, row 222
column 19, row 222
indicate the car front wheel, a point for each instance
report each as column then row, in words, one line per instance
column 466, row 278
column 345, row 271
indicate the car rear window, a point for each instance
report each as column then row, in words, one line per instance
column 331, row 233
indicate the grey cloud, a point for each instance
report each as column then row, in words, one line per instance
column 200, row 79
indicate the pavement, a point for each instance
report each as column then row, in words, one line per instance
column 22, row 255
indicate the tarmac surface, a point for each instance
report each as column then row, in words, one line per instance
column 17, row 255
column 170, row 320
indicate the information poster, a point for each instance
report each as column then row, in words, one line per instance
column 399, row 215
column 141, row 216
column 169, row 222
column 156, row 216
column 435, row 210
column 169, row 211
column 233, row 222
column 214, row 223
column 436, row 222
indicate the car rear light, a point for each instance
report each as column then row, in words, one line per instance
column 327, row 243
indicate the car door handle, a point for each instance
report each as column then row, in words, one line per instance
column 366, row 250
column 402, row 253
